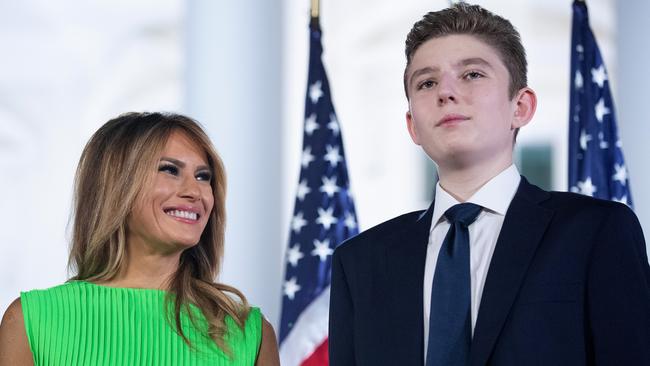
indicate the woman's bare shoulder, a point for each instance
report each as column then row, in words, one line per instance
column 14, row 346
column 268, row 352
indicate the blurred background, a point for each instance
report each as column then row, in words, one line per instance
column 240, row 68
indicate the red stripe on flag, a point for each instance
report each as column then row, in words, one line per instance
column 320, row 357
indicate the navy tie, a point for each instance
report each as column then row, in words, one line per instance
column 450, row 322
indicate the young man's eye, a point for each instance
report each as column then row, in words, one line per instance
column 427, row 84
column 204, row 176
column 473, row 75
column 168, row 168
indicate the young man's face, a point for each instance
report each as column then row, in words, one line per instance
column 460, row 110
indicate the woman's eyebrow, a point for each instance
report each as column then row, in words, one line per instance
column 172, row 160
column 182, row 164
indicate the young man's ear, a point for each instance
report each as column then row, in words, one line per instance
column 410, row 126
column 525, row 108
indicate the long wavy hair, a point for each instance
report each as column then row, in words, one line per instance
column 116, row 164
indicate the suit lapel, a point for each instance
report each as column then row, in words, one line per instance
column 405, row 257
column 522, row 230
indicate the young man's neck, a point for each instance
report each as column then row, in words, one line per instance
column 462, row 183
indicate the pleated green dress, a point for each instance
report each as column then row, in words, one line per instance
column 80, row 323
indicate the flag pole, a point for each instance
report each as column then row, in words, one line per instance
column 315, row 12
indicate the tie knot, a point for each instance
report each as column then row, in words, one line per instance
column 465, row 213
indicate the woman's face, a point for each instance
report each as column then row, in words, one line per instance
column 171, row 213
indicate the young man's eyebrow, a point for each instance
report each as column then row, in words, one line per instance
column 464, row 62
column 474, row 61
column 424, row 70
column 182, row 164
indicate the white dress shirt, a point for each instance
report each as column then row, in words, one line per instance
column 495, row 197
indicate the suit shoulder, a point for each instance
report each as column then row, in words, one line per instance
column 574, row 201
column 573, row 208
column 379, row 233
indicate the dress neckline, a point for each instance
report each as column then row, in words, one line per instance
column 92, row 284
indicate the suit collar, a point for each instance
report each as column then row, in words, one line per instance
column 495, row 195
column 522, row 230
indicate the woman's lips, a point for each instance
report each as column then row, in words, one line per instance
column 184, row 213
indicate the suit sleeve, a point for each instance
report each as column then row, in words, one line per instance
column 341, row 318
column 618, row 292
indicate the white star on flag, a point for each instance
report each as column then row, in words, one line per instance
column 315, row 91
column 601, row 110
column 620, row 174
column 329, row 186
column 303, row 189
column 350, row 222
column 322, row 249
column 333, row 124
column 326, row 217
column 332, row 155
column 291, row 287
column 599, row 75
column 310, row 124
column 297, row 222
column 586, row 187
column 578, row 80
column 584, row 139
column 306, row 157
column 294, row 255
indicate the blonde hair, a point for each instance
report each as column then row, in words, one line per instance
column 115, row 165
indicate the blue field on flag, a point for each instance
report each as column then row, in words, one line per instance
column 596, row 164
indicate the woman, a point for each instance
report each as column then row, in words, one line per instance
column 147, row 244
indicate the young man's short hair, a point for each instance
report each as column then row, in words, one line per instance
column 490, row 28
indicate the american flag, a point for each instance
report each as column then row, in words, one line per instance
column 596, row 164
column 323, row 217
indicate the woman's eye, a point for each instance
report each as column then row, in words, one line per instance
column 204, row 176
column 169, row 169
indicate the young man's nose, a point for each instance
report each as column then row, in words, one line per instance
column 446, row 90
column 446, row 97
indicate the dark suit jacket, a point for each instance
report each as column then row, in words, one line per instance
column 568, row 284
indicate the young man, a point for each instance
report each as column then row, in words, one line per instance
column 496, row 271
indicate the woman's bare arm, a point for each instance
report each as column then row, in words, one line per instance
column 268, row 353
column 14, row 346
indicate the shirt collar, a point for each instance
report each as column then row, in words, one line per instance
column 495, row 195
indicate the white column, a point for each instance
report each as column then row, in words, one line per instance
column 234, row 90
column 632, row 101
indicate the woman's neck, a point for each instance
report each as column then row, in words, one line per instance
column 144, row 267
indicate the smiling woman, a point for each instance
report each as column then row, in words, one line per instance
column 147, row 244
column 174, row 209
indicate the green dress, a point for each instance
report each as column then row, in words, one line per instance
column 80, row 323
